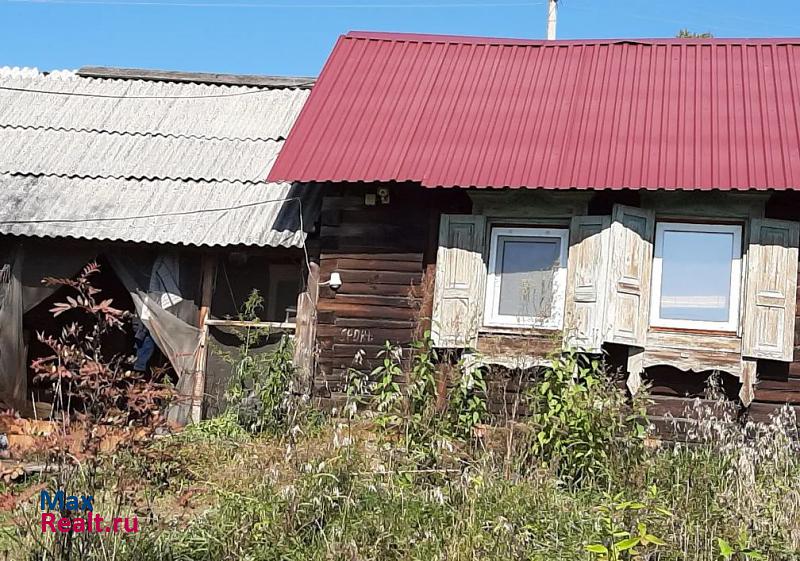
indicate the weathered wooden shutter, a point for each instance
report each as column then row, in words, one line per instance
column 630, row 269
column 460, row 281
column 770, row 293
column 587, row 274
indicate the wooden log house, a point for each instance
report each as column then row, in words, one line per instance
column 635, row 197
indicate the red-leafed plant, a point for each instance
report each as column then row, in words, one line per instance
column 90, row 385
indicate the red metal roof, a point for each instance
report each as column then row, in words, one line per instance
column 603, row 114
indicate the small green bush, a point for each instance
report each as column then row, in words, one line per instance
column 579, row 417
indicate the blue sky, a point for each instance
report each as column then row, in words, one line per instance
column 293, row 37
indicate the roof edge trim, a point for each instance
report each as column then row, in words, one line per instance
column 299, row 82
column 466, row 39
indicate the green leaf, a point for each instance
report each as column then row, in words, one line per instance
column 654, row 539
column 626, row 544
column 620, row 533
column 597, row 548
column 725, row 548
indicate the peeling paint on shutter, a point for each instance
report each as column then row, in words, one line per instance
column 460, row 281
column 587, row 284
column 629, row 275
column 770, row 293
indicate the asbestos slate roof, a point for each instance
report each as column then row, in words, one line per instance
column 148, row 157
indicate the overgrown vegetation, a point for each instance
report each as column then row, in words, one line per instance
column 413, row 468
column 102, row 409
column 580, row 418
column 260, row 396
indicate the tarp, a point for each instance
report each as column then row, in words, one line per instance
column 160, row 293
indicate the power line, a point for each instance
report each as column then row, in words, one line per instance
column 111, row 96
column 154, row 215
column 183, row 4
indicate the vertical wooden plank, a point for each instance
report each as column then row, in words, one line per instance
column 771, row 286
column 207, row 267
column 587, row 281
column 629, row 275
column 306, row 331
column 748, row 379
column 429, row 273
column 635, row 369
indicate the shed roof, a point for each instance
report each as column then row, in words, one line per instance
column 443, row 111
column 147, row 156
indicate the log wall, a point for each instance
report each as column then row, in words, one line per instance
column 385, row 254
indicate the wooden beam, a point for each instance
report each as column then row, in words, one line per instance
column 285, row 325
column 208, row 266
column 635, row 369
column 197, row 77
column 306, row 332
column 748, row 378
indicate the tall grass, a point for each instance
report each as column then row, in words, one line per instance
column 364, row 487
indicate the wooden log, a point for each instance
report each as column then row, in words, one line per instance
column 340, row 362
column 776, row 396
column 366, row 311
column 761, row 412
column 373, row 322
column 364, row 335
column 378, row 265
column 207, row 266
column 372, row 300
column 407, row 257
column 349, row 351
column 680, row 406
column 382, row 277
column 366, row 289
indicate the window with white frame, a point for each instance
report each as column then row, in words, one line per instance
column 697, row 272
column 526, row 285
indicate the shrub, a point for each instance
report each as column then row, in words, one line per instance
column 260, row 392
column 578, row 417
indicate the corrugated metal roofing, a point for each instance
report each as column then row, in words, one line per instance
column 473, row 112
column 101, row 158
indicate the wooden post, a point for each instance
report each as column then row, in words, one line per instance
column 748, row 379
column 306, row 331
column 208, row 265
column 635, row 369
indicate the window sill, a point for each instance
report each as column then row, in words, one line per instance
column 521, row 331
column 694, row 341
column 693, row 331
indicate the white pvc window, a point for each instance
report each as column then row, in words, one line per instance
column 526, row 286
column 697, row 272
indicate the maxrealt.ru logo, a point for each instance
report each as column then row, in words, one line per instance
column 70, row 507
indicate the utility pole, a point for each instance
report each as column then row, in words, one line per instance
column 552, row 15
